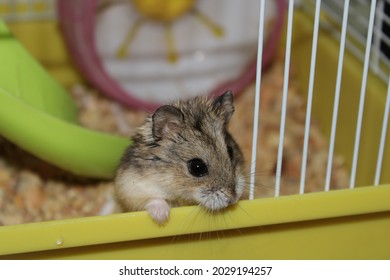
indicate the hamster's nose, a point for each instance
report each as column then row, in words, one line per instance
column 232, row 197
column 231, row 200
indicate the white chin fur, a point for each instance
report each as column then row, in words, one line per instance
column 218, row 200
column 214, row 203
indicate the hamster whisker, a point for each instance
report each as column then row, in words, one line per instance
column 259, row 185
column 239, row 207
column 258, row 173
column 187, row 224
column 263, row 163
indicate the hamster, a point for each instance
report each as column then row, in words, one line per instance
column 182, row 155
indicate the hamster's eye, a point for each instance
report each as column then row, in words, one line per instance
column 197, row 167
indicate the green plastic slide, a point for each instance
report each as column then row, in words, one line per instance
column 38, row 115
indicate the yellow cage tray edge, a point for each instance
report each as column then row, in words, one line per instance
column 136, row 228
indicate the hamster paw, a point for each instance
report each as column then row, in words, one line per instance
column 158, row 209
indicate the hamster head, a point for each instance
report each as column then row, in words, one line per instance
column 203, row 161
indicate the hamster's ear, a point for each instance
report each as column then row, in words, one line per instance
column 167, row 120
column 224, row 105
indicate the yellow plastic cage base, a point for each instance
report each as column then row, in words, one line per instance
column 342, row 224
column 311, row 226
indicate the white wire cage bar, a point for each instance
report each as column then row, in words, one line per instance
column 359, row 28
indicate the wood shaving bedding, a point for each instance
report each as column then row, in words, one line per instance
column 32, row 190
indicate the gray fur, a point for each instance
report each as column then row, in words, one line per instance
column 164, row 145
